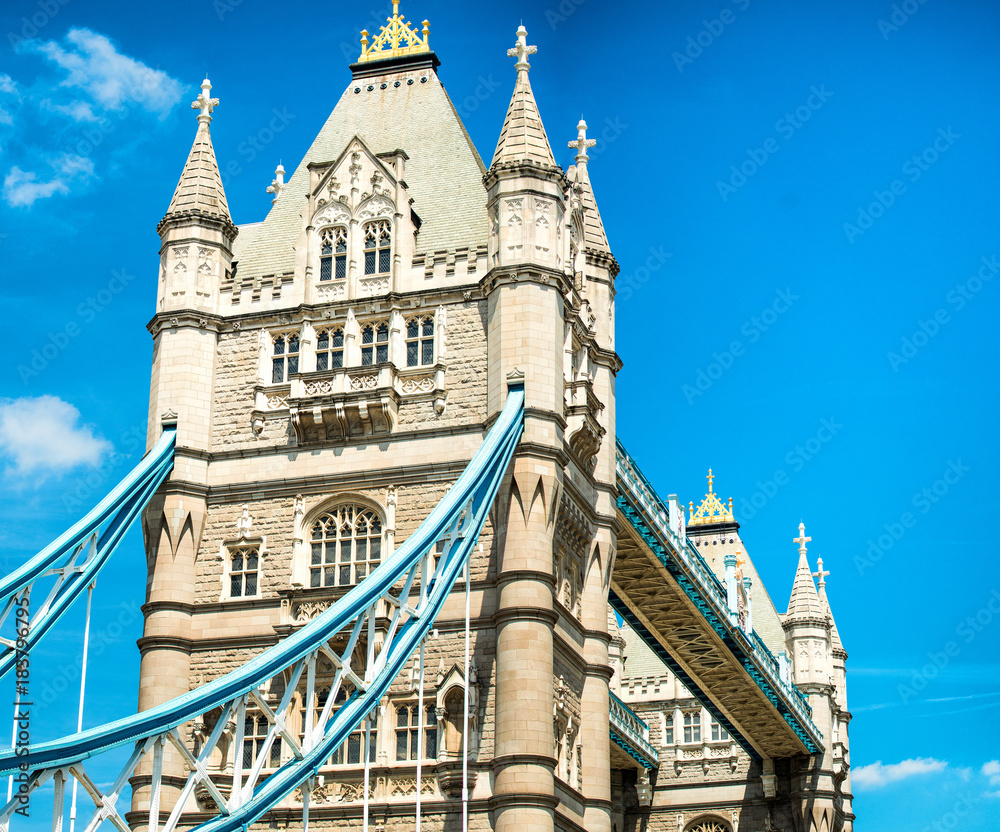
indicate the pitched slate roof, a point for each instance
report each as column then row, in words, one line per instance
column 443, row 174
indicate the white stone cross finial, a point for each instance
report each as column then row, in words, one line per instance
column 522, row 50
column 205, row 103
column 278, row 183
column 802, row 540
column 582, row 142
column 820, row 574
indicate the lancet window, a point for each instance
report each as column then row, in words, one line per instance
column 244, row 565
column 374, row 343
column 346, row 546
column 719, row 734
column 333, row 254
column 329, row 349
column 285, row 357
column 692, row 726
column 420, row 341
column 408, row 733
column 255, row 730
column 378, row 247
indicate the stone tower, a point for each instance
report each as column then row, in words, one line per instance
column 331, row 371
column 550, row 296
column 821, row 789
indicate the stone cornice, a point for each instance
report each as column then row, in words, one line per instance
column 181, row 318
column 508, row 614
column 607, row 358
column 525, row 575
column 602, row 259
column 197, row 217
column 511, row 275
column 525, row 169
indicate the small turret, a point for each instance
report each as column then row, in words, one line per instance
column 197, row 232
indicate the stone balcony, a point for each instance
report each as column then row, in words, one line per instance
column 349, row 402
column 583, row 431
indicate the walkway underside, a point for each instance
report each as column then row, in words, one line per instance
column 650, row 598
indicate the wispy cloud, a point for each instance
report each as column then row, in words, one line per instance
column 42, row 435
column 877, row 775
column 93, row 64
column 75, row 110
column 8, row 88
column 22, row 188
column 991, row 771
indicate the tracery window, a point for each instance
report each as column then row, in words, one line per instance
column 408, row 733
column 255, row 730
column 719, row 734
column 378, row 247
column 346, row 546
column 330, row 349
column 709, row 825
column 244, row 563
column 668, row 729
column 692, row 726
column 349, row 752
column 374, row 343
column 285, row 357
column 333, row 254
column 420, row 341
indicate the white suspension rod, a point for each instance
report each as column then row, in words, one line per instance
column 420, row 729
column 368, row 739
column 83, row 688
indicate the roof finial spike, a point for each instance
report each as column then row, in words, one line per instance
column 205, row 103
column 820, row 574
column 710, row 478
column 802, row 540
column 278, row 183
column 582, row 142
column 522, row 50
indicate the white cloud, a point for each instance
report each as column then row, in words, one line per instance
column 877, row 775
column 992, row 771
column 93, row 63
column 76, row 110
column 7, row 87
column 41, row 435
column 22, row 188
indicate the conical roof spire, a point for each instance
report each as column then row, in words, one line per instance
column 594, row 233
column 199, row 193
column 523, row 138
column 821, row 574
column 804, row 602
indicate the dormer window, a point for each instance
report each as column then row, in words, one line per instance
column 285, row 359
column 378, row 247
column 333, row 254
column 330, row 349
column 374, row 343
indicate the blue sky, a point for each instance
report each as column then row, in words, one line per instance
column 802, row 200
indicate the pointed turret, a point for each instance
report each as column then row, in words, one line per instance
column 523, row 138
column 199, row 191
column 197, row 232
column 593, row 228
column 804, row 603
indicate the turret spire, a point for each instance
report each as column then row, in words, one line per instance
column 804, row 602
column 199, row 193
column 523, row 138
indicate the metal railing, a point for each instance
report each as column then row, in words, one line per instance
column 629, row 729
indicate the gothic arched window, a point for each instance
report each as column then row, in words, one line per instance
column 285, row 357
column 420, row 341
column 330, row 349
column 244, row 564
column 408, row 733
column 374, row 343
column 378, row 247
column 333, row 254
column 709, row 825
column 255, row 730
column 346, row 546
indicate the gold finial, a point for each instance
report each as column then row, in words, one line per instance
column 711, row 509
column 396, row 38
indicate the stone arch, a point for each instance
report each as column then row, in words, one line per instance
column 305, row 522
